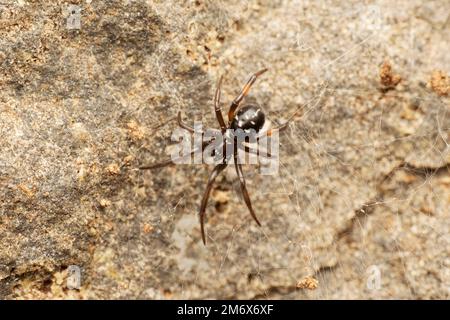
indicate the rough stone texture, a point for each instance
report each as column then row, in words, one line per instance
column 363, row 187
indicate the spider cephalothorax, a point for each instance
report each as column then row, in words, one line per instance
column 249, row 117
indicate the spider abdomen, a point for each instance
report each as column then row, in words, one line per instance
column 248, row 117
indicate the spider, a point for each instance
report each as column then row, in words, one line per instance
column 248, row 116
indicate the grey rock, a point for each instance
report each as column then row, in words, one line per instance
column 361, row 201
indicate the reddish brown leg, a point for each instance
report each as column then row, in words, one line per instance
column 244, row 92
column 184, row 125
column 217, row 169
column 217, row 108
column 279, row 128
column 240, row 174
column 157, row 165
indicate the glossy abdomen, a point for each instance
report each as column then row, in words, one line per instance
column 248, row 117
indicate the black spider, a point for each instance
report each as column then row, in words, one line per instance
column 247, row 117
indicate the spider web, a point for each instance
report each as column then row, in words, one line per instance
column 341, row 211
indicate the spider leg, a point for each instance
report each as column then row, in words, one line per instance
column 184, row 125
column 279, row 128
column 217, row 169
column 282, row 126
column 240, row 174
column 217, row 108
column 157, row 165
column 244, row 92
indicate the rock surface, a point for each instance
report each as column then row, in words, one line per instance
column 359, row 209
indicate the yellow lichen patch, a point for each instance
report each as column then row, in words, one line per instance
column 94, row 169
column 439, row 83
column 31, row 287
column 59, row 283
column 60, row 277
column 147, row 228
column 104, row 259
column 135, row 131
column 113, row 169
column 29, row 192
column 128, row 159
column 104, row 203
column 387, row 77
column 308, row 282
column 80, row 132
